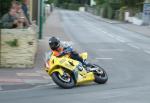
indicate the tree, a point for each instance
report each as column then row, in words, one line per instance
column 131, row 3
column 50, row 1
column 100, row 2
column 147, row 1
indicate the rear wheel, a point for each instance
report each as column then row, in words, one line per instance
column 65, row 81
column 100, row 75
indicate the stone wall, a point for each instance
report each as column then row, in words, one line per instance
column 18, row 48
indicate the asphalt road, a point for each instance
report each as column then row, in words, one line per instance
column 125, row 56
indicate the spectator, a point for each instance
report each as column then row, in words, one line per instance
column 16, row 5
column 25, row 10
column 9, row 20
column 15, row 18
column 22, row 18
column 20, row 14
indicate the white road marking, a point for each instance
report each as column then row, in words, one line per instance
column 120, row 39
column 104, row 31
column 104, row 58
column 110, row 35
column 51, row 84
column 131, row 45
column 119, row 50
column 147, row 51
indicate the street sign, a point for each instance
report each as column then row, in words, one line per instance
column 146, row 13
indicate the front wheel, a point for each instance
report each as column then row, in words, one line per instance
column 65, row 81
column 100, row 75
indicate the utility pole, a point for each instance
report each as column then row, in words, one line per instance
column 41, row 19
column 0, row 46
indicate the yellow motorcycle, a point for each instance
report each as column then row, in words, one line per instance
column 68, row 73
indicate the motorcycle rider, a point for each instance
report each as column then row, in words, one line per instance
column 59, row 50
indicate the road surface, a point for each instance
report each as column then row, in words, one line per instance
column 125, row 56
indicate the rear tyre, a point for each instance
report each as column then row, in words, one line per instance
column 65, row 81
column 100, row 75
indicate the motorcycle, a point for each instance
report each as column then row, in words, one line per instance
column 68, row 73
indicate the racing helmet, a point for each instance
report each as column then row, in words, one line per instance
column 54, row 43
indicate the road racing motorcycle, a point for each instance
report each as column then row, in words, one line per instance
column 68, row 73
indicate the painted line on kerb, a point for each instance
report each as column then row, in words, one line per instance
column 28, row 74
column 34, row 81
column 104, row 58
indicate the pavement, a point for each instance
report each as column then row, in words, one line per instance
column 143, row 29
column 124, row 54
column 17, row 78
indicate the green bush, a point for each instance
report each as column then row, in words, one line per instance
column 109, row 12
column 116, row 15
column 64, row 6
column 103, row 11
column 73, row 6
column 106, row 11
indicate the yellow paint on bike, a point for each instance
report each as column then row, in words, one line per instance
column 59, row 70
column 84, row 55
column 60, row 64
column 85, row 77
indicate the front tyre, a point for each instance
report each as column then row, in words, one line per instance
column 66, row 81
column 100, row 75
